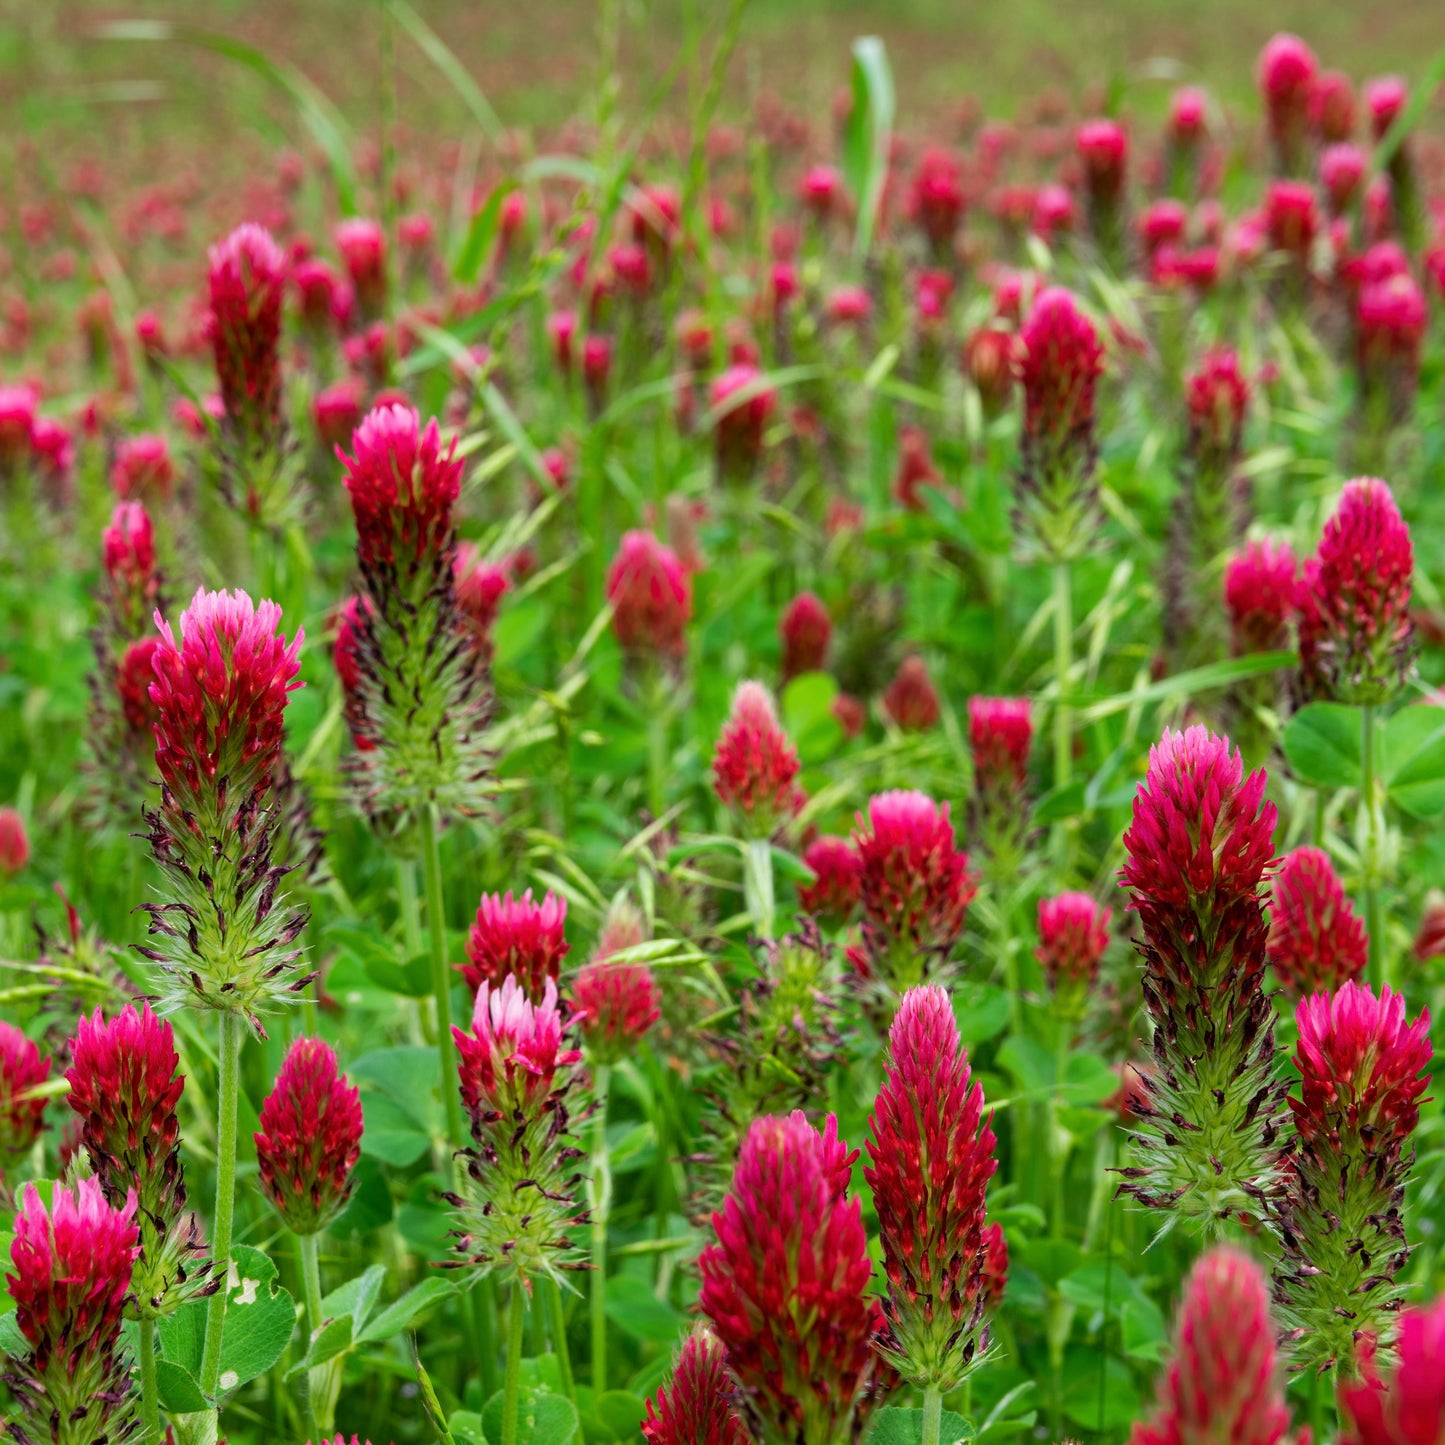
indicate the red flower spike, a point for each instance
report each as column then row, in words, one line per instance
column 916, row 886
column 129, row 550
column 1408, row 1408
column 21, row 1118
column 785, row 1285
column 911, row 699
column 1218, row 400
column 1291, row 218
column 403, row 486
column 741, row 418
column 694, row 1407
column 1073, row 936
column 1332, row 107
column 1000, row 736
column 932, row 1155
column 936, row 198
column 995, row 1265
column 1259, row 593
column 651, row 596
column 1223, row 1383
column 755, row 767
column 362, row 244
column 1103, row 150
column 615, row 1005
column 1286, row 75
column 805, row 629
column 834, row 896
column 247, row 282
column 143, row 469
column 14, row 842
column 515, row 936
column 1316, row 941
column 1355, row 634
column 1390, row 322
column 310, row 1138
column 1342, row 170
column 481, row 585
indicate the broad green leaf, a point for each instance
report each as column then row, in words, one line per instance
column 410, row 979
column 982, row 1011
column 634, row 1309
column 1322, row 745
column 621, row 1412
column 807, row 707
column 481, row 235
column 417, row 1301
column 465, row 1427
column 260, row 1317
column 179, row 1393
column 543, row 1418
column 356, row 1297
column 1412, row 746
column 390, row 1133
column 895, row 1425
column 334, row 1338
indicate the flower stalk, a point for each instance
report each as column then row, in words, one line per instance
column 599, row 1203
column 228, row 1092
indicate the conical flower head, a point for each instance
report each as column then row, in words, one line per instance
column 403, row 485
column 22, row 1117
column 911, row 700
column 1259, row 594
column 1407, row 1408
column 833, row 896
column 1073, row 936
column 806, row 630
column 1286, row 76
column 128, row 551
column 1218, row 400
column 755, row 765
column 1000, row 736
column 694, row 1407
column 616, row 1005
column 785, row 1284
column 72, row 1269
column 1356, row 637
column 247, row 286
column 651, row 596
column 932, row 1155
column 481, row 585
column 310, row 1138
column 1223, row 1383
column 519, row 938
column 916, row 884
column 1316, row 940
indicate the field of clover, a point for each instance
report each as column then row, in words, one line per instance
column 770, row 780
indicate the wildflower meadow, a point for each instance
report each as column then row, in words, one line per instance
column 718, row 773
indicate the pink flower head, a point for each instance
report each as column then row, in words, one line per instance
column 936, row 197
column 362, row 244
column 481, row 585
column 510, row 1059
column 1053, row 211
column 1385, row 99
column 988, row 361
column 128, row 548
column 1162, row 223
column 403, row 486
column 1218, row 399
column 1361, row 1065
column 1287, row 69
column 324, row 299
column 911, row 699
column 1353, row 601
column 220, row 694
column 849, row 306
column 838, row 881
column 1202, row 833
column 1000, row 735
column 561, row 332
column 143, row 468
column 755, row 767
column 1390, row 322
column 805, row 629
column 932, row 1155
column 1408, row 1408
column 915, row 469
column 52, row 451
column 916, row 886
column 1103, row 147
column 134, row 674
column 17, row 426
column 1223, row 1383
column 651, row 596
column 14, row 842
column 1342, row 169
column 72, row 1274
column 743, row 400
column 1073, row 936
column 1188, row 115
column 615, row 1005
column 1291, row 218
column 1259, row 593
column 1060, row 360
column 656, row 215
column 785, row 1285
column 336, row 411
column 310, row 1138
column 1332, row 107
column 517, row 938
column 995, row 1265
column 21, row 1117
column 247, row 282
column 694, row 1407
column 1316, row 941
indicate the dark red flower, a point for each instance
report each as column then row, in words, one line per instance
column 755, row 766
column 651, row 596
column 839, row 884
column 14, row 842
column 1316, row 941
column 21, row 1117
column 805, row 629
column 515, row 936
column 911, row 699
column 247, row 282
column 1259, row 595
column 1408, row 1408
column 1073, row 936
column 694, row 1407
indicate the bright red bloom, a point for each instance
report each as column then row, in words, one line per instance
column 741, row 417
column 805, row 629
column 1073, row 935
column 1000, row 735
column 247, row 283
column 1390, row 322
column 988, row 361
column 839, row 880
column 403, row 486
column 337, row 411
column 511, row 1058
column 1218, row 400
column 1103, row 147
column 915, row 469
column 1342, row 168
column 651, row 596
column 936, row 198
column 1409, row 1407
column 1332, row 106
column 911, row 699
column 694, row 1407
column 849, row 306
column 995, row 1265
column 481, row 585
column 821, row 190
column 310, row 1138
column 1259, row 593
column 1291, row 218
column 362, row 244
column 1385, row 98
column 17, row 426
column 932, row 1155
column 1354, row 599
column 517, row 937
column 1060, row 359
column 1360, row 1064
column 785, row 1285
column 220, row 694
column 1162, row 223
column 614, row 1004
column 14, row 841
column 129, row 548
column 755, row 766
column 1188, row 112
column 1053, row 211
column 1430, row 935
column 1287, row 69
column 71, row 1278
column 134, row 674
column 916, row 886
column 1316, row 941
column 1223, row 1383
column 143, row 468
column 21, row 1118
